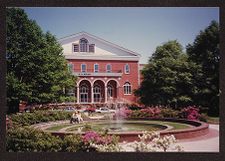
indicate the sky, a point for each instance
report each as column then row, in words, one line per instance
column 140, row 29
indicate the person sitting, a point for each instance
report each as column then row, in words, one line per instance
column 74, row 118
column 80, row 119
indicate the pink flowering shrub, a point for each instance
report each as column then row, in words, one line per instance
column 90, row 136
column 93, row 140
column 123, row 113
column 146, row 113
column 190, row 113
column 94, row 137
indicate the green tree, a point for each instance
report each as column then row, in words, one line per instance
column 167, row 77
column 36, row 69
column 205, row 53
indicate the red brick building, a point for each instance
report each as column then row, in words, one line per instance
column 106, row 72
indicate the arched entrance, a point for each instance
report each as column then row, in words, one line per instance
column 84, row 91
column 111, row 90
column 98, row 91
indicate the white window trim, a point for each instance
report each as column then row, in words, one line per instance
column 107, row 68
column 87, row 46
column 85, row 68
column 127, row 94
column 73, row 47
column 125, row 71
column 111, row 89
column 94, row 68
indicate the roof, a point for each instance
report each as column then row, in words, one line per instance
column 99, row 39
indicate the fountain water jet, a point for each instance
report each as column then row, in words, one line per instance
column 119, row 116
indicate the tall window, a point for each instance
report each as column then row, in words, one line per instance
column 83, row 68
column 97, row 93
column 70, row 67
column 83, row 45
column 127, row 88
column 96, row 68
column 108, row 68
column 127, row 69
column 76, row 48
column 84, row 93
column 92, row 48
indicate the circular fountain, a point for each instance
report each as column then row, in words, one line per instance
column 128, row 130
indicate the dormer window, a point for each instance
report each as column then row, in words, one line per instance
column 92, row 48
column 76, row 48
column 83, row 45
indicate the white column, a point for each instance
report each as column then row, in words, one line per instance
column 92, row 94
column 78, row 95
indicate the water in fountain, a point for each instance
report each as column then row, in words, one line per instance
column 119, row 117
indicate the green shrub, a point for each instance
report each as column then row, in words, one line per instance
column 24, row 139
column 26, row 119
column 72, row 143
column 169, row 113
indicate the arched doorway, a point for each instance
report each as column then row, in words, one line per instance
column 111, row 90
column 98, row 91
column 85, row 91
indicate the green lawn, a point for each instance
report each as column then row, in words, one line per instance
column 58, row 127
column 94, row 126
column 177, row 126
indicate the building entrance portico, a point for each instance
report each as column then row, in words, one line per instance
column 96, row 91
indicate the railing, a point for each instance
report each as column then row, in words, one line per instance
column 116, row 73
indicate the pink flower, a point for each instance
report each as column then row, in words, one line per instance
column 123, row 112
column 93, row 137
column 191, row 113
column 90, row 136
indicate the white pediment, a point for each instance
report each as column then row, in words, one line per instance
column 104, row 50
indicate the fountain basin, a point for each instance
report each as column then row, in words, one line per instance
column 163, row 126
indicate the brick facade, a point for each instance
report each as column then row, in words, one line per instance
column 88, row 57
column 117, row 67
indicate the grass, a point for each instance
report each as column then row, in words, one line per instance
column 133, row 126
column 58, row 127
column 177, row 126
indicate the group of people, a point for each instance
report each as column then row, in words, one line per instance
column 76, row 117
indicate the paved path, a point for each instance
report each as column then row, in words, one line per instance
column 206, row 143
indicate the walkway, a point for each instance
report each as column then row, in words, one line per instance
column 206, row 143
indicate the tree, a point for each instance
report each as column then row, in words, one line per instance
column 37, row 70
column 204, row 52
column 167, row 77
